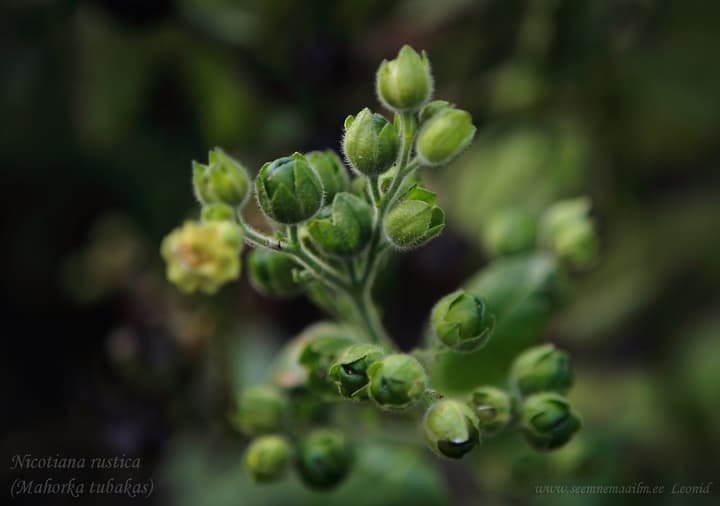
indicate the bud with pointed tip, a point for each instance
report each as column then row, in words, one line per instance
column 223, row 179
column 444, row 136
column 260, row 409
column 462, row 321
column 396, row 381
column 349, row 371
column 542, row 368
column 271, row 273
column 405, row 83
column 343, row 229
column 268, row 458
column 202, row 256
column 324, row 459
column 493, row 408
column 288, row 190
column 548, row 420
column 451, row 428
column 415, row 220
column 371, row 143
column 331, row 171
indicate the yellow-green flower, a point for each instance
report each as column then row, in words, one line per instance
column 202, row 256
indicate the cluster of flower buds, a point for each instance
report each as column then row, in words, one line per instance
column 329, row 235
column 322, row 457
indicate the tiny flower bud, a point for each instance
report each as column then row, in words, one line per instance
column 345, row 228
column 371, row 143
column 542, row 368
column 570, row 232
column 217, row 212
column 462, row 322
column 260, row 409
column 415, row 220
column 493, row 408
column 432, row 108
column 349, row 371
column 451, row 428
column 511, row 231
column 396, row 381
column 288, row 190
column 331, row 171
column 317, row 356
column 223, row 179
column 444, row 136
column 268, row 458
column 405, row 83
column 202, row 256
column 324, row 459
column 271, row 273
column 548, row 420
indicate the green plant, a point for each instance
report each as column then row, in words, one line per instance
column 330, row 238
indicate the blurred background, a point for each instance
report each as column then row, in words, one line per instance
column 105, row 103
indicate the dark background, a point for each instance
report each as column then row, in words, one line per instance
column 105, row 103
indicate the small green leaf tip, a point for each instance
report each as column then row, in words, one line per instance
column 271, row 273
column 288, row 190
column 414, row 221
column 201, row 257
column 444, row 136
column 268, row 458
column 349, row 371
column 396, row 381
column 548, row 421
column 568, row 229
column 405, row 83
column 541, row 368
column 462, row 322
column 330, row 169
column 223, row 179
column 371, row 143
column 260, row 409
column 324, row 459
column 492, row 407
column 344, row 228
column 451, row 428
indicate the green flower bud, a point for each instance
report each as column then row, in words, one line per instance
column 444, row 136
column 288, row 190
column 371, row 143
column 542, row 368
column 317, row 356
column 451, row 428
column 493, row 408
column 511, row 231
column 415, row 220
column 570, row 232
column 350, row 369
column 271, row 273
column 260, row 409
column 405, row 83
column 331, row 171
column 432, row 108
column 324, row 459
column 268, row 458
column 217, row 212
column 462, row 322
column 396, row 381
column 202, row 256
column 224, row 180
column 548, row 420
column 345, row 229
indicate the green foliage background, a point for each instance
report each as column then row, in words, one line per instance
column 105, row 103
